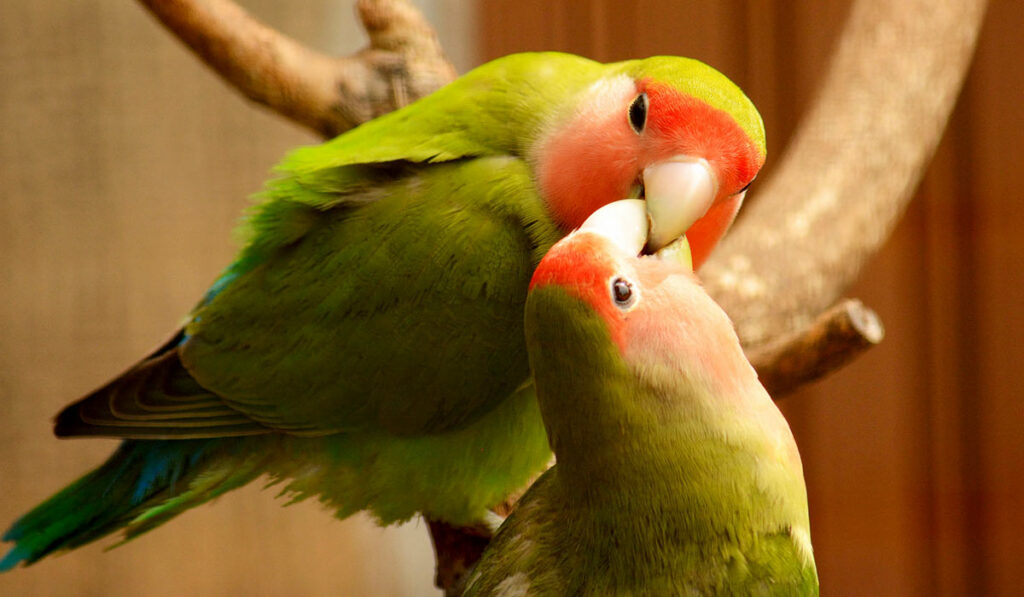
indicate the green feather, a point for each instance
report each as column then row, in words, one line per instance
column 140, row 486
column 296, row 343
column 147, row 483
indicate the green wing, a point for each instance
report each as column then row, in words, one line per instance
column 496, row 110
column 402, row 313
column 381, row 281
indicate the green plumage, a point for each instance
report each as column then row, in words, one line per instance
column 366, row 346
column 663, row 486
column 437, row 268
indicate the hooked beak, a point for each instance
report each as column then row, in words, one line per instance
column 627, row 224
column 678, row 192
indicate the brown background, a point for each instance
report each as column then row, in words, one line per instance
column 124, row 165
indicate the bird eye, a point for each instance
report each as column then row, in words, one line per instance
column 638, row 113
column 622, row 293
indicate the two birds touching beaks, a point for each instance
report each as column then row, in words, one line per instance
column 368, row 345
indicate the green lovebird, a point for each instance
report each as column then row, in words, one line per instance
column 366, row 346
column 676, row 474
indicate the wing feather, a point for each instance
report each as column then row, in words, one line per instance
column 403, row 314
column 155, row 399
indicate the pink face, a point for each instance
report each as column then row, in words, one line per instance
column 600, row 155
column 670, row 333
column 659, row 314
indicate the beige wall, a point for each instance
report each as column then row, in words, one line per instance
column 124, row 165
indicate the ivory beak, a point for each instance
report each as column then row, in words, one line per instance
column 623, row 222
column 678, row 192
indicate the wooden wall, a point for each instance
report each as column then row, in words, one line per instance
column 914, row 455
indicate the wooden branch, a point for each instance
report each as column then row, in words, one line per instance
column 326, row 94
column 851, row 169
column 832, row 340
column 457, row 549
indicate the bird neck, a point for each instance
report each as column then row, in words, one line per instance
column 654, row 453
column 700, row 480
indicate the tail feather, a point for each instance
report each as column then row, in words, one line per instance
column 143, row 485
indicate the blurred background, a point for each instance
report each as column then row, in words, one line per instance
column 124, row 165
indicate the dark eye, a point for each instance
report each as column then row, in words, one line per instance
column 622, row 292
column 638, row 113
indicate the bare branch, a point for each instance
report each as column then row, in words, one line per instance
column 851, row 169
column 457, row 549
column 329, row 95
column 832, row 340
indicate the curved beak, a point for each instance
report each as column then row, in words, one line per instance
column 678, row 191
column 622, row 222
column 626, row 224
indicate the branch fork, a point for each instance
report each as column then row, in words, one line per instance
column 327, row 94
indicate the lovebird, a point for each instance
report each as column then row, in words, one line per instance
column 676, row 474
column 366, row 345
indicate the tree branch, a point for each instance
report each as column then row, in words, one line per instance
column 457, row 550
column 329, row 95
column 833, row 339
column 850, row 171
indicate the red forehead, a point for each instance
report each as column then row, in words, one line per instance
column 578, row 261
column 582, row 265
column 681, row 123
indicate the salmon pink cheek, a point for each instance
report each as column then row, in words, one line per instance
column 580, row 174
column 594, row 158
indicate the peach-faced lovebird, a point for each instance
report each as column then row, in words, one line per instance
column 676, row 473
column 366, row 345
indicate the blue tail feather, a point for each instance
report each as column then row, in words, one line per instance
column 137, row 477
